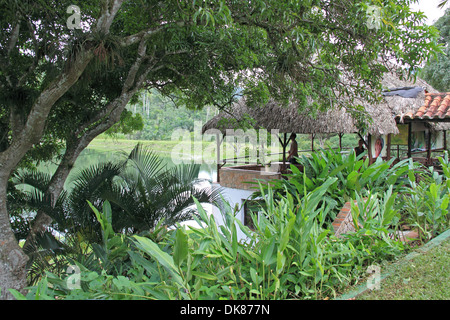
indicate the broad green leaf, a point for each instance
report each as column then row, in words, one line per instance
column 281, row 260
column 204, row 275
column 268, row 254
column 322, row 236
column 254, row 275
column 445, row 202
column 151, row 248
column 338, row 169
column 286, row 233
column 181, row 247
column 352, row 180
column 234, row 244
column 16, row 294
column 137, row 259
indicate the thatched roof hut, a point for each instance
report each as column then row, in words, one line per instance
column 289, row 119
column 284, row 119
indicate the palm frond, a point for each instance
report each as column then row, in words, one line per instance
column 442, row 4
column 147, row 162
column 34, row 178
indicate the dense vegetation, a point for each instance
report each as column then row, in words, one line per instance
column 292, row 253
column 160, row 117
column 67, row 75
column 141, row 188
column 436, row 71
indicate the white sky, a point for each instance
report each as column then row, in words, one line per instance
column 429, row 7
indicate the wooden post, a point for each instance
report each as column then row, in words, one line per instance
column 445, row 139
column 388, row 150
column 369, row 148
column 429, row 148
column 218, row 143
column 283, row 145
column 340, row 141
column 312, row 142
column 409, row 139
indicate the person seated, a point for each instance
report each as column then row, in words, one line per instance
column 293, row 151
column 360, row 148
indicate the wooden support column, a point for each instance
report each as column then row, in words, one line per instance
column 283, row 143
column 429, row 147
column 369, row 148
column 340, row 141
column 218, row 143
column 409, row 139
column 445, row 139
column 312, row 142
column 388, row 150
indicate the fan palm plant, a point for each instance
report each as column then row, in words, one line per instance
column 142, row 191
column 45, row 251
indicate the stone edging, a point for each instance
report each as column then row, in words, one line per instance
column 344, row 223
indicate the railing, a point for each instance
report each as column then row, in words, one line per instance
column 236, row 160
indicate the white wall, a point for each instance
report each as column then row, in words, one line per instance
column 233, row 196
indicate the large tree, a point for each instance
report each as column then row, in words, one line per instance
column 69, row 85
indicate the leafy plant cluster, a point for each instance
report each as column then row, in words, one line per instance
column 354, row 176
column 426, row 205
column 419, row 196
column 142, row 190
column 289, row 255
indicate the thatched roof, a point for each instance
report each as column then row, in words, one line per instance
column 284, row 119
column 289, row 119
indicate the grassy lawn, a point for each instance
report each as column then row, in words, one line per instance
column 110, row 144
column 183, row 149
column 424, row 277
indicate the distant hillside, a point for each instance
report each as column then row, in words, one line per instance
column 161, row 117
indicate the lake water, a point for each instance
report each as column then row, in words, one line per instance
column 91, row 157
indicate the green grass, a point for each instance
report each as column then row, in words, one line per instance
column 424, row 277
column 111, row 144
column 187, row 149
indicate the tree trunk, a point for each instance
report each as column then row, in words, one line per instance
column 42, row 221
column 12, row 259
column 73, row 149
column 24, row 135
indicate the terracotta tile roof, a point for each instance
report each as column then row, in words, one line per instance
column 436, row 106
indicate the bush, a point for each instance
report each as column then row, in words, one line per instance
column 353, row 176
column 426, row 205
column 289, row 255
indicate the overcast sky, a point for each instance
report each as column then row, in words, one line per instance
column 429, row 7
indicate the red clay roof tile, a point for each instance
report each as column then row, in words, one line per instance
column 436, row 105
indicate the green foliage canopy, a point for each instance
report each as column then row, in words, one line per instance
column 436, row 72
column 200, row 51
column 62, row 86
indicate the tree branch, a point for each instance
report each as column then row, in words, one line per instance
column 109, row 12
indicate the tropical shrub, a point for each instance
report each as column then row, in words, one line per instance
column 143, row 192
column 288, row 255
column 353, row 176
column 426, row 206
